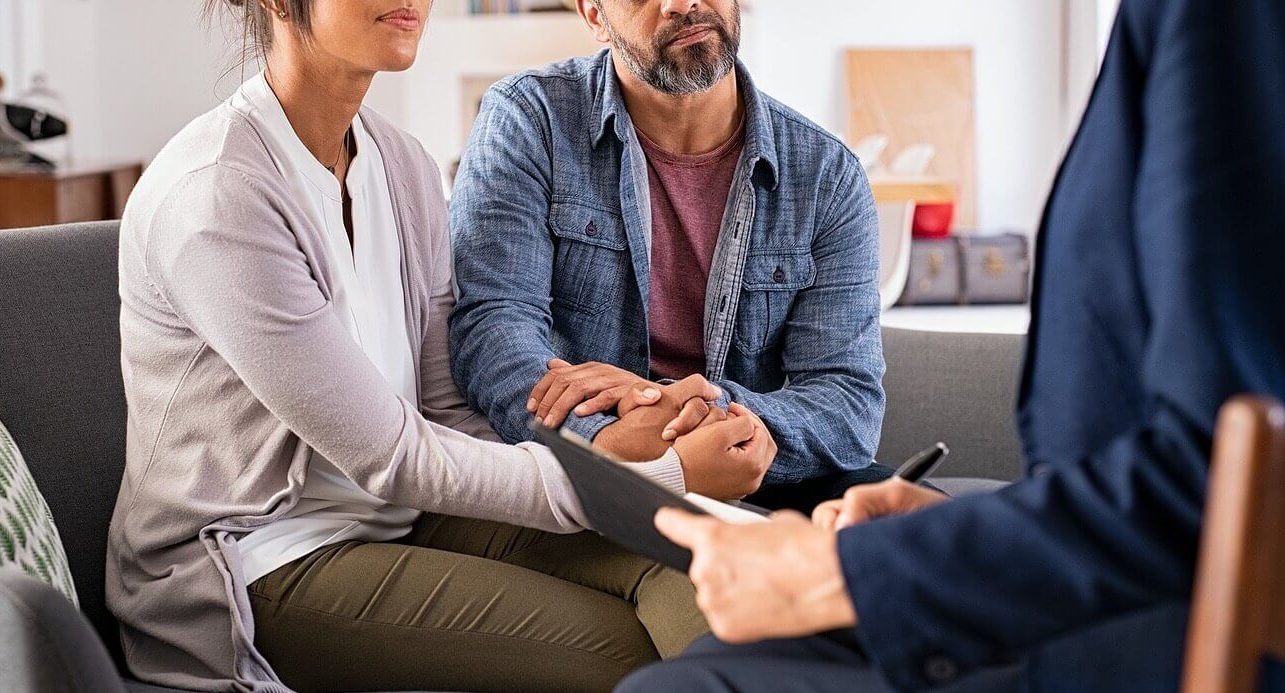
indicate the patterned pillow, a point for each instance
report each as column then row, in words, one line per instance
column 28, row 538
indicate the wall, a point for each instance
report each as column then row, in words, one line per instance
column 135, row 71
column 132, row 72
column 1018, row 58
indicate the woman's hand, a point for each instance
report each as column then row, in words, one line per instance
column 726, row 458
column 861, row 503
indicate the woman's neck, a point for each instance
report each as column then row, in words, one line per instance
column 320, row 102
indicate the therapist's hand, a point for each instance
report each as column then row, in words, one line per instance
column 868, row 501
column 778, row 579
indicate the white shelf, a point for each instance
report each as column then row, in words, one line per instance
column 980, row 319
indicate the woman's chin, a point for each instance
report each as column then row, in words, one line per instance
column 398, row 62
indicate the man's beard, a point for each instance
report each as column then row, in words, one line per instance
column 689, row 70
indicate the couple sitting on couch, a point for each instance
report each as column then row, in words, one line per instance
column 647, row 250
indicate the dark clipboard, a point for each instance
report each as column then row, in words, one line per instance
column 620, row 504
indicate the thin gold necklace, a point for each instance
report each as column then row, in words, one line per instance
column 343, row 151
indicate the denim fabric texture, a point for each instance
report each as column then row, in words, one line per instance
column 551, row 222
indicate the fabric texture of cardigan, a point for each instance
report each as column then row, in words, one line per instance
column 236, row 368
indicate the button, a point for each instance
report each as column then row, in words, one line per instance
column 939, row 670
column 591, row 230
column 1041, row 469
column 779, row 276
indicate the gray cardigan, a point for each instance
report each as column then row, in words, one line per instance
column 236, row 369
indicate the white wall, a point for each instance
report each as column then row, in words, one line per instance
column 796, row 54
column 21, row 36
column 132, row 72
column 135, row 71
column 1106, row 19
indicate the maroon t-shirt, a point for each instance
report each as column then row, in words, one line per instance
column 688, row 197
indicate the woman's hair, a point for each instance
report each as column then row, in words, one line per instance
column 255, row 21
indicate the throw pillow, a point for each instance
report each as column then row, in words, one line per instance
column 28, row 538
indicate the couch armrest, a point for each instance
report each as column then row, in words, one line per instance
column 46, row 644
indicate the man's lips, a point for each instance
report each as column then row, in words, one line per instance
column 692, row 35
column 405, row 18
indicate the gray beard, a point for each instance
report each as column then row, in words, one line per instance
column 667, row 76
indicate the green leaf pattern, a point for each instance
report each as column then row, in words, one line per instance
column 28, row 538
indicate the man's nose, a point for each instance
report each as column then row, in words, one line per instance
column 673, row 8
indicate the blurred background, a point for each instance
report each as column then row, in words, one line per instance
column 961, row 110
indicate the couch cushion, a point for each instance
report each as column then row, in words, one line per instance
column 45, row 644
column 60, row 386
column 957, row 388
column 29, row 540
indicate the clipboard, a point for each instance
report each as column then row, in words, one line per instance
column 620, row 504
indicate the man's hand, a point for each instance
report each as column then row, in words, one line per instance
column 694, row 394
column 726, row 459
column 566, row 387
column 778, row 579
column 861, row 503
column 638, row 435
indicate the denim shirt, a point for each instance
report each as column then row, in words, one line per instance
column 551, row 220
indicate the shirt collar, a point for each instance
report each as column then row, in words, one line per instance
column 611, row 115
column 256, row 99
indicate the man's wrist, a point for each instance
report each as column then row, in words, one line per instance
column 589, row 427
column 827, row 604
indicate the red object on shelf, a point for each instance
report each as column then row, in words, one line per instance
column 934, row 220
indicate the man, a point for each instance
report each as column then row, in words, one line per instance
column 646, row 215
column 1159, row 297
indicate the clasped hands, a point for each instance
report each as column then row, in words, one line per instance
column 725, row 453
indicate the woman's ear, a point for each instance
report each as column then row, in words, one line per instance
column 275, row 8
column 592, row 15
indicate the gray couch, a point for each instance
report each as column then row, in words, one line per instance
column 62, row 399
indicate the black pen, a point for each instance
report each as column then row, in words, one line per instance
column 917, row 468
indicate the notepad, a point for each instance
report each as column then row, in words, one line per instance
column 621, row 504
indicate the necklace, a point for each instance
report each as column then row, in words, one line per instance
column 343, row 152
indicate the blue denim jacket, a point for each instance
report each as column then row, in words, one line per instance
column 551, row 219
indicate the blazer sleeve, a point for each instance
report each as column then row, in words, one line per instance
column 980, row 581
column 223, row 255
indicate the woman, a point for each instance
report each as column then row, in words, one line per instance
column 288, row 516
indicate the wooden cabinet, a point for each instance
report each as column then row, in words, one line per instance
column 80, row 192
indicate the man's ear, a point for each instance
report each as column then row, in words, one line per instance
column 592, row 17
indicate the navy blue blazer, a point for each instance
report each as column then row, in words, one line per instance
column 1160, row 293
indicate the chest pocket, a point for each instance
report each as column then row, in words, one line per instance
column 772, row 280
column 590, row 258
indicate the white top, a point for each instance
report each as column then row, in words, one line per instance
column 368, row 295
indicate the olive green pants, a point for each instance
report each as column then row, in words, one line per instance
column 471, row 605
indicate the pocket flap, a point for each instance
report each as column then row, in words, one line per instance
column 587, row 225
column 779, row 272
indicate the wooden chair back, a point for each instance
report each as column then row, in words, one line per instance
column 1238, row 609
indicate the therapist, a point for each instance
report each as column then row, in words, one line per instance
column 1159, row 296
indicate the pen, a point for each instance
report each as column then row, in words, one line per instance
column 917, row 468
